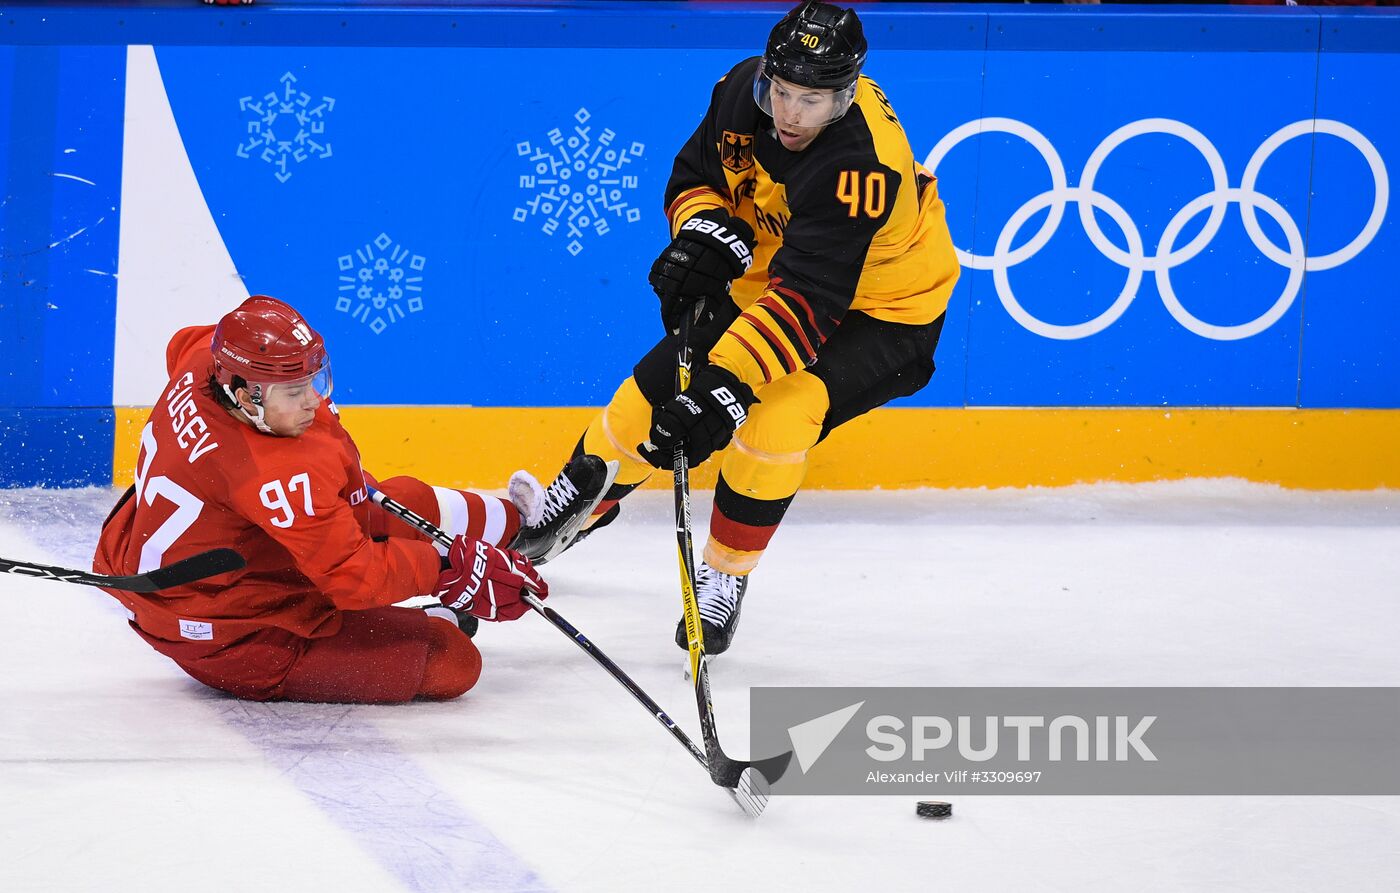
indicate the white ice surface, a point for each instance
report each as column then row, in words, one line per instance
column 119, row 773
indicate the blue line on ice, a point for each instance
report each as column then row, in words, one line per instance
column 378, row 795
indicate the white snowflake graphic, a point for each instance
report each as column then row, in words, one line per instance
column 375, row 281
column 274, row 118
column 577, row 182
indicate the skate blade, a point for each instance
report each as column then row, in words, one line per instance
column 572, row 533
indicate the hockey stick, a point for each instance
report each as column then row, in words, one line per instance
column 196, row 567
column 753, row 805
column 754, row 780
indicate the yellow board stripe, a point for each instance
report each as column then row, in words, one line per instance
column 1319, row 449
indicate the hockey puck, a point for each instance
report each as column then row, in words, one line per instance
column 933, row 809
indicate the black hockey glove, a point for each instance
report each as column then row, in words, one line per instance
column 703, row 418
column 711, row 250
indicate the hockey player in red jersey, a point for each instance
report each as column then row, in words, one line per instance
column 245, row 450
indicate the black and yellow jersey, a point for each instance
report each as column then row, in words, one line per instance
column 852, row 222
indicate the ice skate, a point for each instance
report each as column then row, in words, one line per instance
column 719, row 597
column 568, row 502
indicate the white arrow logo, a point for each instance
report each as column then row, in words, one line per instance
column 811, row 738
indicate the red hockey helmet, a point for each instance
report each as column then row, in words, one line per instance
column 264, row 342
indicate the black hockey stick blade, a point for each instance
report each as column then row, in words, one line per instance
column 196, row 567
column 728, row 772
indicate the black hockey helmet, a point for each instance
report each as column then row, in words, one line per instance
column 817, row 45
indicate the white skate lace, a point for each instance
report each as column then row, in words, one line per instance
column 717, row 594
column 558, row 497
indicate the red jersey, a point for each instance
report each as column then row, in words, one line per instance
column 295, row 508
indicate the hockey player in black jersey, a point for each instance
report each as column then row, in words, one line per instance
column 810, row 246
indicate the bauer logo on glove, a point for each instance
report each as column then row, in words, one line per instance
column 488, row 582
column 731, row 403
column 723, row 235
column 477, row 574
column 701, row 420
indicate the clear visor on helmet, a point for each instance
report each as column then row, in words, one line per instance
column 793, row 105
column 311, row 389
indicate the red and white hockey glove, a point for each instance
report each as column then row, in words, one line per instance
column 488, row 582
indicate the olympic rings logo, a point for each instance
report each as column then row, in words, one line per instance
column 1167, row 255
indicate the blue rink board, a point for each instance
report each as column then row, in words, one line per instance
column 441, row 116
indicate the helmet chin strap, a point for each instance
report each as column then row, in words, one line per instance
column 257, row 420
